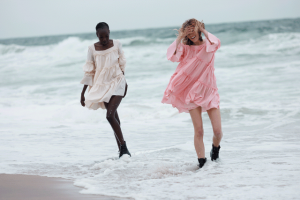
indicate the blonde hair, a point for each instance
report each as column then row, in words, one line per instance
column 181, row 31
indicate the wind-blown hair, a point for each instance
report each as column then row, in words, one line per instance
column 182, row 30
column 102, row 25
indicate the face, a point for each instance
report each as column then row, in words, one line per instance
column 103, row 35
column 192, row 34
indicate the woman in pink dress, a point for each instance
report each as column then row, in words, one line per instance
column 192, row 88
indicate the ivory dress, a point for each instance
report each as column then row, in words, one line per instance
column 103, row 72
column 194, row 83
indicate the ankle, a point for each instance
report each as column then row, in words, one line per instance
column 201, row 161
column 123, row 143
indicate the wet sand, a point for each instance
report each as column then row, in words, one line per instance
column 29, row 187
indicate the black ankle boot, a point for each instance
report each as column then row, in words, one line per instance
column 201, row 161
column 214, row 153
column 124, row 150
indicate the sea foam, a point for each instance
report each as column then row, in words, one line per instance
column 45, row 131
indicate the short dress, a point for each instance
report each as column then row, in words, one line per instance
column 103, row 72
column 194, row 83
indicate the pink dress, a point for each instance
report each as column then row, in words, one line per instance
column 194, row 83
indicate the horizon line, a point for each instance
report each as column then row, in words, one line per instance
column 135, row 29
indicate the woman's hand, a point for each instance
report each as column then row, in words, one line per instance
column 201, row 27
column 190, row 29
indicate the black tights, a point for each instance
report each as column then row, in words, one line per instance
column 113, row 118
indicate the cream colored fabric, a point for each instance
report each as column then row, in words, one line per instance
column 103, row 74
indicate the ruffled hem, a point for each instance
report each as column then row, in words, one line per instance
column 199, row 95
column 101, row 93
column 87, row 80
column 89, row 68
column 107, row 75
column 183, row 79
column 179, row 52
column 117, row 78
column 94, row 106
column 212, row 47
column 183, row 107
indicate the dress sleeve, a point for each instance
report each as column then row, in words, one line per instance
column 122, row 59
column 179, row 53
column 216, row 43
column 89, row 69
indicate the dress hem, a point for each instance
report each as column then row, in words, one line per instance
column 193, row 105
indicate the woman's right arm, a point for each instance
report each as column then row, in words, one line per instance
column 176, row 49
column 82, row 99
column 180, row 37
column 175, row 52
column 89, row 72
column 178, row 41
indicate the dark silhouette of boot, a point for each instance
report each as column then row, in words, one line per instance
column 214, row 153
column 201, row 161
column 124, row 150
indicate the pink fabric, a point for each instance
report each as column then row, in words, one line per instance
column 194, row 83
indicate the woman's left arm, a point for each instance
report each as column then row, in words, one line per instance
column 122, row 59
column 213, row 43
column 206, row 36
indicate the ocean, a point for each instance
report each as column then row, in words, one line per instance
column 45, row 131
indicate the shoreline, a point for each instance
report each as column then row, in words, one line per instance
column 34, row 187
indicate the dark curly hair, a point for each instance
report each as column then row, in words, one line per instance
column 102, row 25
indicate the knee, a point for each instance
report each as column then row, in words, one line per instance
column 199, row 133
column 218, row 134
column 109, row 117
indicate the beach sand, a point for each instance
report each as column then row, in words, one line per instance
column 28, row 187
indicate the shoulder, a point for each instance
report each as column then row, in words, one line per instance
column 117, row 43
column 91, row 47
column 183, row 46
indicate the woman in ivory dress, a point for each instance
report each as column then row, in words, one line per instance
column 104, row 74
column 192, row 88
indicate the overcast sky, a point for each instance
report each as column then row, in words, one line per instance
column 25, row 18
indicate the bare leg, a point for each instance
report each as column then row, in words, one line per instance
column 113, row 118
column 196, row 115
column 215, row 118
column 117, row 118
